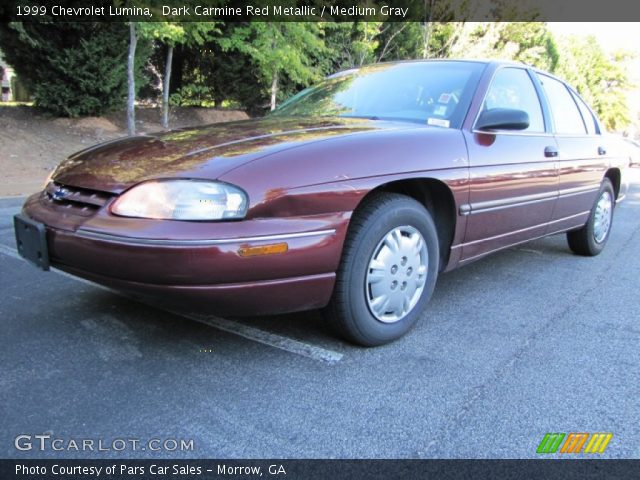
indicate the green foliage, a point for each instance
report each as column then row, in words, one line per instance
column 528, row 42
column 72, row 69
column 192, row 94
column 364, row 42
column 78, row 69
column 353, row 44
column 175, row 33
column 337, row 40
column 600, row 80
column 234, row 77
column 288, row 49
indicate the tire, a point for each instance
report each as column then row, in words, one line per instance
column 591, row 239
column 358, row 309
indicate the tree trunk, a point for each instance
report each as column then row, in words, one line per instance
column 165, row 87
column 176, row 68
column 131, row 98
column 426, row 33
column 274, row 90
column 426, row 36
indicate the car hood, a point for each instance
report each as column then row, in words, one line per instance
column 203, row 152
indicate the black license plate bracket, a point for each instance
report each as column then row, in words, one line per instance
column 31, row 240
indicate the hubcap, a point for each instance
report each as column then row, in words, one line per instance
column 602, row 218
column 396, row 274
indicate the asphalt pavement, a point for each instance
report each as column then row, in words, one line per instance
column 530, row 340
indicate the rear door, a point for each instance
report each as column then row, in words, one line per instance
column 513, row 176
column 582, row 155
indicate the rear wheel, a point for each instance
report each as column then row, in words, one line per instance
column 591, row 239
column 388, row 270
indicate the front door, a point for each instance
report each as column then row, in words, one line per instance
column 513, row 176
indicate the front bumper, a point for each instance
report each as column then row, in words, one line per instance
column 193, row 269
column 264, row 297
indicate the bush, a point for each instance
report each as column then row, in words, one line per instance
column 72, row 69
column 192, row 95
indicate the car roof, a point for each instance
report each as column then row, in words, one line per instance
column 485, row 61
column 488, row 62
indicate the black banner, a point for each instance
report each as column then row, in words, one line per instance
column 318, row 469
column 316, row 10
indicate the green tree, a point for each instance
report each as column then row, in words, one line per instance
column 277, row 49
column 411, row 40
column 337, row 41
column 364, row 42
column 170, row 34
column 72, row 69
column 435, row 29
column 528, row 42
column 600, row 79
column 350, row 44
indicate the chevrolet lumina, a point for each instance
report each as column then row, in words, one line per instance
column 352, row 196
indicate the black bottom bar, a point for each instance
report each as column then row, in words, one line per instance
column 318, row 469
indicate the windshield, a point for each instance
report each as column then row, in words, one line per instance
column 435, row 93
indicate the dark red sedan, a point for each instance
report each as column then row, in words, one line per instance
column 352, row 196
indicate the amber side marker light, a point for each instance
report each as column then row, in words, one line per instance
column 263, row 250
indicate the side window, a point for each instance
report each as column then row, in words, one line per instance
column 587, row 116
column 566, row 116
column 512, row 88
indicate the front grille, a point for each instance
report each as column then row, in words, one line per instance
column 80, row 201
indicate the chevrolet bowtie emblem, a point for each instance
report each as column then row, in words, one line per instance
column 60, row 194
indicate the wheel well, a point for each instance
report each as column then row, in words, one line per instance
column 613, row 174
column 437, row 198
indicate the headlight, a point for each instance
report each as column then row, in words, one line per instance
column 182, row 200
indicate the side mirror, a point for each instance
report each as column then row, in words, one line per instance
column 503, row 119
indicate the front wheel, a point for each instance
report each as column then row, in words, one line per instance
column 388, row 270
column 591, row 239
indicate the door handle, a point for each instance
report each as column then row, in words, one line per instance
column 550, row 151
column 602, row 151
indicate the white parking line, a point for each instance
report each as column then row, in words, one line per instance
column 13, row 197
column 250, row 333
column 9, row 252
column 267, row 338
